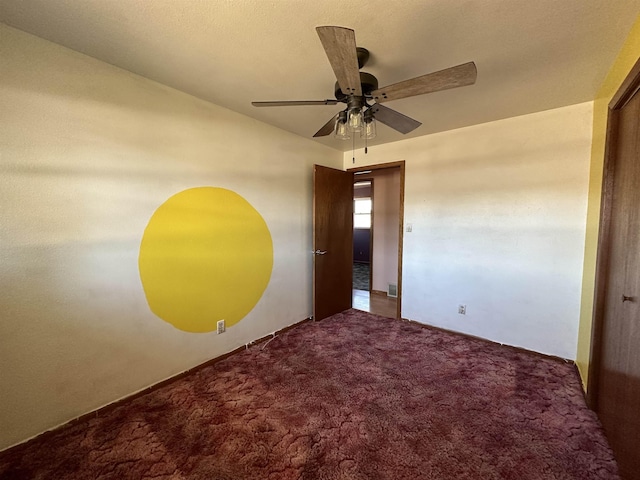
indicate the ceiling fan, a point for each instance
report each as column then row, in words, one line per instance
column 360, row 91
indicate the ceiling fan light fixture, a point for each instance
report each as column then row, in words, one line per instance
column 341, row 129
column 369, row 129
column 355, row 119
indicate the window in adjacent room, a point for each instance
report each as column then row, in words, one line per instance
column 362, row 213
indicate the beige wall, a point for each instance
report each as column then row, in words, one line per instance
column 88, row 153
column 627, row 57
column 498, row 213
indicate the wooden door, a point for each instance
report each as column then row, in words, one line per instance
column 332, row 241
column 618, row 377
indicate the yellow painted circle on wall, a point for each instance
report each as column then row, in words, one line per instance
column 206, row 255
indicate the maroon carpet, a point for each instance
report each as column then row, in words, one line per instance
column 355, row 396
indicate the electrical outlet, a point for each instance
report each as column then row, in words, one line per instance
column 462, row 309
column 221, row 327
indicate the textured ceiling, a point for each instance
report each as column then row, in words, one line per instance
column 531, row 56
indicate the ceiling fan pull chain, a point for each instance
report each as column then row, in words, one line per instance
column 353, row 147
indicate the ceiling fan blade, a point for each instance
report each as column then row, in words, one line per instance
column 327, row 128
column 453, row 77
column 393, row 119
column 340, row 45
column 289, row 103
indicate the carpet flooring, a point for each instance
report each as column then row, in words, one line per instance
column 354, row 396
column 361, row 276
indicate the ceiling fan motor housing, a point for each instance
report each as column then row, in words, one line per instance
column 369, row 84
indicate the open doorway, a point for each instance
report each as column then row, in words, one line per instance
column 362, row 233
column 377, row 238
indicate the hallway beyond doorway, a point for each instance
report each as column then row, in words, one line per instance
column 361, row 273
column 374, row 303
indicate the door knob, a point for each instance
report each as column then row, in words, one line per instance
column 319, row 252
column 627, row 299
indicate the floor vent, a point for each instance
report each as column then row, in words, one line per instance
column 392, row 291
